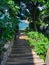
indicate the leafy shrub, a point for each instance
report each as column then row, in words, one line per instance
column 8, row 26
column 39, row 42
column 8, row 21
column 7, row 30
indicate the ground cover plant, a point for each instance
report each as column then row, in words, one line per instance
column 39, row 43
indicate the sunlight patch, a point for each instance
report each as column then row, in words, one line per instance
column 23, row 37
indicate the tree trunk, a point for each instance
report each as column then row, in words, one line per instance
column 34, row 19
column 35, row 26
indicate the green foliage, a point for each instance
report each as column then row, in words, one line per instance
column 45, row 13
column 8, row 28
column 39, row 42
column 8, row 21
column 38, row 13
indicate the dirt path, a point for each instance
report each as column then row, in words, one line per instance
column 22, row 54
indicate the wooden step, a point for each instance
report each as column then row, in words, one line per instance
column 22, row 54
column 25, row 64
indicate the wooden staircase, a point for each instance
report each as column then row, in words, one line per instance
column 22, row 54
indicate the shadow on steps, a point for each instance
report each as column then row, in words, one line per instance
column 22, row 54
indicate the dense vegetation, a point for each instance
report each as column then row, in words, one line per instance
column 8, row 21
column 39, row 43
column 36, row 11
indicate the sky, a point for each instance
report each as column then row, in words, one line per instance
column 22, row 25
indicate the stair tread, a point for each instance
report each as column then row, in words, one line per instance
column 22, row 54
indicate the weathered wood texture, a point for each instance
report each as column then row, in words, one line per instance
column 22, row 54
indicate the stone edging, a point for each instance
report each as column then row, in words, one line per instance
column 8, row 45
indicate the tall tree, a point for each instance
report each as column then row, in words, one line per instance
column 35, row 7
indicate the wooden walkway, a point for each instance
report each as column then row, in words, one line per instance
column 22, row 54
